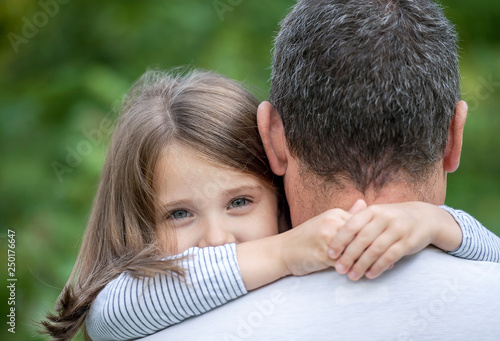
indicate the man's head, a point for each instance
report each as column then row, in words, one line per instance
column 366, row 91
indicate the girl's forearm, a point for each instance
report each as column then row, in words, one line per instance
column 449, row 236
column 261, row 261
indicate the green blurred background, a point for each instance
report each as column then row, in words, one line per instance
column 65, row 66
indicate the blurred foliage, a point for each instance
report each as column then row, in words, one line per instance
column 66, row 65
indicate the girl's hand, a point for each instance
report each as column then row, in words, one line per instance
column 304, row 249
column 375, row 238
column 299, row 251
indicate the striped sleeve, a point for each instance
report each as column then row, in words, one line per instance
column 478, row 243
column 129, row 308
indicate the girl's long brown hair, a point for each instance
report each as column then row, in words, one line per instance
column 204, row 111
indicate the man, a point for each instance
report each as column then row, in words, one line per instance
column 365, row 105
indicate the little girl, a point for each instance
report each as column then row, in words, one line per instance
column 187, row 215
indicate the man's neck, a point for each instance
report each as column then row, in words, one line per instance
column 313, row 202
column 390, row 193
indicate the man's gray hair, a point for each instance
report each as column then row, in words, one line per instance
column 366, row 88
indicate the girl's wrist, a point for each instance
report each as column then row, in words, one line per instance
column 261, row 261
column 449, row 235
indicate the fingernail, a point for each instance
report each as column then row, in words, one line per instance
column 332, row 254
column 341, row 269
column 352, row 275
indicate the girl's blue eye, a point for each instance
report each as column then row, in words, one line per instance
column 239, row 202
column 179, row 214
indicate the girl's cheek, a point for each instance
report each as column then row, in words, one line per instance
column 166, row 239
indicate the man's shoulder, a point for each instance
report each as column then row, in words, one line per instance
column 428, row 293
column 424, row 274
column 427, row 264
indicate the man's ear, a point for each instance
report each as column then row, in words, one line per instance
column 455, row 138
column 273, row 137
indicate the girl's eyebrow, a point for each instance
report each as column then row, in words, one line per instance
column 229, row 192
column 243, row 188
column 176, row 203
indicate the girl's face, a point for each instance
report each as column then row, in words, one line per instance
column 205, row 205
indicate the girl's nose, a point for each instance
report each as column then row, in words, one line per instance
column 216, row 234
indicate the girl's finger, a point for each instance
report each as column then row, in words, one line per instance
column 358, row 206
column 348, row 231
column 386, row 261
column 359, row 244
column 372, row 254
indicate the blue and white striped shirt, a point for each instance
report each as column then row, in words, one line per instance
column 129, row 308
column 478, row 243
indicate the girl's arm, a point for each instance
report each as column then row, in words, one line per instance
column 378, row 236
column 478, row 243
column 129, row 308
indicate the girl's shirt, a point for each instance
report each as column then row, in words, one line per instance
column 129, row 308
